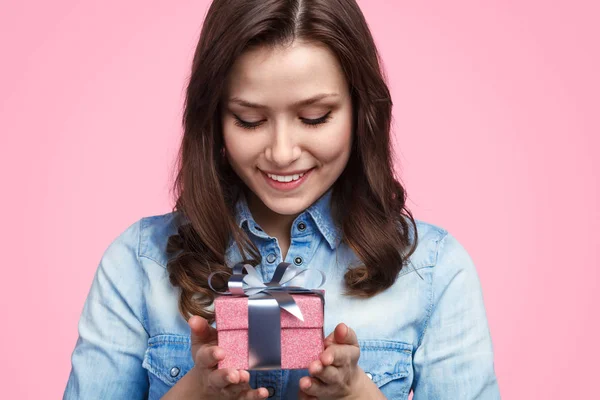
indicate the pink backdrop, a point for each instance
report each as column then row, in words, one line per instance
column 496, row 124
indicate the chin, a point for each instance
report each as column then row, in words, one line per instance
column 290, row 206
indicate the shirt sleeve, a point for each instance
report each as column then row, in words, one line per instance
column 107, row 360
column 455, row 357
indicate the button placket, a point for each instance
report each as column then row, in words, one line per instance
column 303, row 245
column 270, row 252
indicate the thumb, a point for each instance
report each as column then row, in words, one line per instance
column 344, row 335
column 200, row 331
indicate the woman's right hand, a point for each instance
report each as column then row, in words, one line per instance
column 204, row 380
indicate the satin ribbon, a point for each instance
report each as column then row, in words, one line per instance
column 265, row 301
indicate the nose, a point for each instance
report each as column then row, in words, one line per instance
column 283, row 149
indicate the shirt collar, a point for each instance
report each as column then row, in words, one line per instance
column 319, row 212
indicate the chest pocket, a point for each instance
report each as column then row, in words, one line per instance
column 168, row 358
column 389, row 364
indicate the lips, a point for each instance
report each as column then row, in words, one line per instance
column 286, row 181
column 286, row 177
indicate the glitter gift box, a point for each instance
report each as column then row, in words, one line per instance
column 301, row 341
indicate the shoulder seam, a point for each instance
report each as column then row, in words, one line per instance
column 152, row 259
column 137, row 256
column 140, row 255
column 439, row 245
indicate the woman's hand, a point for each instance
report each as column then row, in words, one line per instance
column 336, row 375
column 204, row 380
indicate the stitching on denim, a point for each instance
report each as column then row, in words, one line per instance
column 143, row 316
column 382, row 344
column 402, row 351
column 153, row 259
column 156, row 342
column 388, row 378
column 406, row 269
column 439, row 244
column 167, row 338
column 141, row 243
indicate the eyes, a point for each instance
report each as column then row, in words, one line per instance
column 313, row 123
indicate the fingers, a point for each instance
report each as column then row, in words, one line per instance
column 209, row 356
column 201, row 331
column 243, row 391
column 260, row 393
column 221, row 378
column 335, row 370
column 233, row 383
column 342, row 334
column 340, row 355
column 328, row 375
column 311, row 387
column 329, row 340
column 244, row 376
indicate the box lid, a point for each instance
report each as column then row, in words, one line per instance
column 232, row 312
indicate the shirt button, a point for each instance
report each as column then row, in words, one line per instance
column 174, row 371
column 369, row 376
column 271, row 258
column 301, row 226
column 298, row 260
column 271, row 391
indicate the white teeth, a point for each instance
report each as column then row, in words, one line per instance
column 286, row 178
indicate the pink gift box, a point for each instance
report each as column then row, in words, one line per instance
column 301, row 341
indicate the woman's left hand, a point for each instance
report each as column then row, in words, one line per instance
column 336, row 375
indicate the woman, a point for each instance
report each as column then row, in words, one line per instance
column 286, row 157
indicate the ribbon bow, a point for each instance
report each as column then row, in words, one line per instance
column 280, row 287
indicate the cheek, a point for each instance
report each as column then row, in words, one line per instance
column 335, row 144
column 241, row 148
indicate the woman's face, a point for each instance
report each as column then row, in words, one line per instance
column 287, row 124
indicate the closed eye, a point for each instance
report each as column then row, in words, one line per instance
column 307, row 121
column 317, row 121
column 245, row 124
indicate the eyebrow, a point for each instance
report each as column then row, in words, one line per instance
column 300, row 103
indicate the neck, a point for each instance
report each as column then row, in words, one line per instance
column 272, row 223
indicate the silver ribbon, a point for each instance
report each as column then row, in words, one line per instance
column 265, row 301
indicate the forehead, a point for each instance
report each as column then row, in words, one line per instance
column 277, row 75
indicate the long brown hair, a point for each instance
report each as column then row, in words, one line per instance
column 375, row 223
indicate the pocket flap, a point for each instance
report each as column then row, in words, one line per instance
column 385, row 360
column 168, row 357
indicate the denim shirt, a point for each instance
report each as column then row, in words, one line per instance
column 428, row 332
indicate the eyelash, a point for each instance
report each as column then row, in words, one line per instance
column 312, row 123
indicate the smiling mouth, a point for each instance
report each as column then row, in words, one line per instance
column 286, row 178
